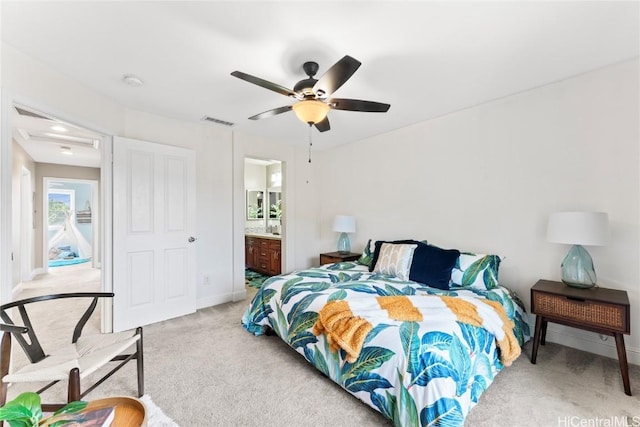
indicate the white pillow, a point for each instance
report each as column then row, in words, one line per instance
column 395, row 260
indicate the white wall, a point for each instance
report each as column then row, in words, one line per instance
column 485, row 179
column 20, row 160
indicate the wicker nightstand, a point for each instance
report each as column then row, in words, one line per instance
column 601, row 310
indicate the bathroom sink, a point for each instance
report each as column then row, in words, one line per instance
column 263, row 234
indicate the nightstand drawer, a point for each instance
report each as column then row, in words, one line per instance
column 575, row 309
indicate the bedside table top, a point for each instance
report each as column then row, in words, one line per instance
column 339, row 255
column 596, row 293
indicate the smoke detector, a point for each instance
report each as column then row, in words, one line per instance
column 132, row 80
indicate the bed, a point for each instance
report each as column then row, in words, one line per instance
column 422, row 364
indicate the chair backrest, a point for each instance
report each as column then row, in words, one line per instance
column 33, row 349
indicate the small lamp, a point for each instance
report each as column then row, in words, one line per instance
column 577, row 229
column 344, row 224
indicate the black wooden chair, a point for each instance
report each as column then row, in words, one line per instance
column 75, row 361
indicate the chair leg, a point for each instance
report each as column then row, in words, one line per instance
column 5, row 361
column 140, row 362
column 73, row 392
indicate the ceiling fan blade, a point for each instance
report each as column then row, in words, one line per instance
column 358, row 105
column 336, row 76
column 271, row 113
column 323, row 126
column 264, row 83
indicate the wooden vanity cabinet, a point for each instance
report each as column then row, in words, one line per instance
column 250, row 252
column 263, row 255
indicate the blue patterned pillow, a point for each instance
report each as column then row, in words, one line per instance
column 477, row 271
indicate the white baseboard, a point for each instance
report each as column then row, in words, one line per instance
column 240, row 295
column 590, row 342
column 212, row 300
column 16, row 290
column 20, row 286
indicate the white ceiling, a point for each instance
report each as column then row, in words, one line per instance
column 49, row 140
column 426, row 59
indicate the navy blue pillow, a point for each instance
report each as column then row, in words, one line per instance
column 432, row 265
column 378, row 245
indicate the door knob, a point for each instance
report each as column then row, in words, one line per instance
column 192, row 239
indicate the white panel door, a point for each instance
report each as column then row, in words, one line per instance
column 154, row 204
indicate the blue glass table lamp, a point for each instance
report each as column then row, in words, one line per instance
column 578, row 229
column 344, row 224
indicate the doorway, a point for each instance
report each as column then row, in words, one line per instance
column 70, row 219
column 263, row 215
column 59, row 202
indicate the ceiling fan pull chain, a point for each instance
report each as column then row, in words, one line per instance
column 310, row 144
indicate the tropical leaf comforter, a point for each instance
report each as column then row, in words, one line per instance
column 414, row 373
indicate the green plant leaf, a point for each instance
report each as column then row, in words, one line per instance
column 281, row 326
column 23, row 410
column 375, row 331
column 316, row 274
column 300, row 307
column 14, row 412
column 386, row 406
column 364, row 287
column 470, row 274
column 25, row 422
column 337, row 295
column 260, row 308
column 445, row 412
column 366, row 381
column 411, row 345
column 301, row 323
column 407, row 414
column 72, row 408
column 370, row 358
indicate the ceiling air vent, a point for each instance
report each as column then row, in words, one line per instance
column 24, row 112
column 218, row 121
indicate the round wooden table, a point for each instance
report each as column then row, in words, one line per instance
column 130, row 412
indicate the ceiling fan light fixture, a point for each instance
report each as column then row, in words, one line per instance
column 311, row 111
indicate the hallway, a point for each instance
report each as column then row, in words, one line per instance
column 70, row 278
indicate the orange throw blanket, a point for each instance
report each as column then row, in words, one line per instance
column 347, row 323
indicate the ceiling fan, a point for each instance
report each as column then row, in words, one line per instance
column 313, row 95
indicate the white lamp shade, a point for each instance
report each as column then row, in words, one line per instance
column 579, row 228
column 344, row 224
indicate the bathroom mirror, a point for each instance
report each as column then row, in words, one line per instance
column 275, row 204
column 255, row 204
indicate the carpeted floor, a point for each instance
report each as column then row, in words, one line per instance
column 206, row 370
